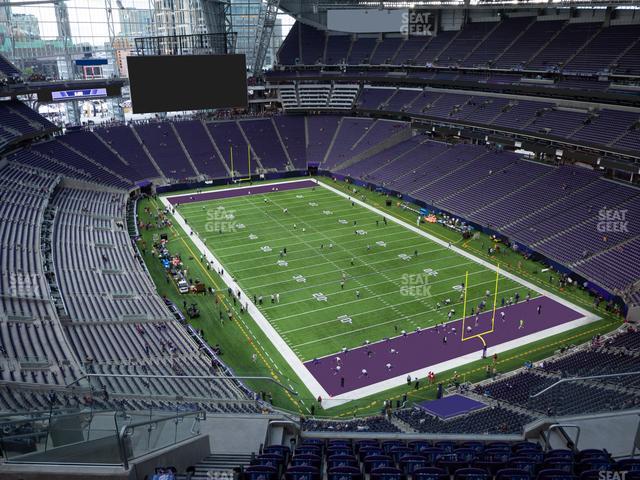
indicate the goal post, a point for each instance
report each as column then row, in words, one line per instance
column 493, row 310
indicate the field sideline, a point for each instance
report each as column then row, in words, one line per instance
column 395, row 294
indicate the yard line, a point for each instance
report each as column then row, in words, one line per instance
column 368, row 327
column 400, row 266
column 363, row 286
column 392, row 229
column 234, row 244
column 198, row 212
column 367, row 288
column 360, row 276
column 381, row 273
column 372, row 311
column 406, row 248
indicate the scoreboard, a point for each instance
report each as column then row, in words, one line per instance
column 87, row 93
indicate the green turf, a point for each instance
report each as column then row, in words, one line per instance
column 241, row 339
column 382, row 293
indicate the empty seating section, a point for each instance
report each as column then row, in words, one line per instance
column 617, row 128
column 490, row 420
column 337, row 49
column 360, row 51
column 18, row 121
column 465, row 42
column 321, row 130
column 604, row 48
column 629, row 63
column 373, row 98
column 197, row 142
column 368, row 168
column 55, row 151
column 517, row 42
column 617, row 267
column 401, row 100
column 123, row 141
column 598, row 361
column 494, row 44
column 97, row 272
column 605, row 126
column 349, row 132
column 385, row 51
column 160, row 140
column 32, row 344
column 118, row 323
column 563, row 45
column 231, row 144
column 312, row 42
column 292, row 133
column 433, row 48
column 409, row 50
column 559, row 123
column 567, row 398
column 87, row 144
column 289, row 52
column 265, row 143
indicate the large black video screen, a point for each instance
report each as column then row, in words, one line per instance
column 187, row 82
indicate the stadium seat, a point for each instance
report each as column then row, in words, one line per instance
column 386, row 473
column 302, row 472
column 260, row 472
column 512, row 474
column 344, row 473
column 430, row 473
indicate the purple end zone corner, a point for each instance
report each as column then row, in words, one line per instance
column 419, row 350
column 240, row 192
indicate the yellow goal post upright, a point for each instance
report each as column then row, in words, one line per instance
column 493, row 312
column 248, row 163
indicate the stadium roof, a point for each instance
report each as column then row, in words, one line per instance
column 315, row 10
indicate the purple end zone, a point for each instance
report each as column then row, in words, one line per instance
column 451, row 406
column 240, row 192
column 418, row 350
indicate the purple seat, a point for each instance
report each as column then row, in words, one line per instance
column 553, row 474
column 387, row 473
column 471, row 474
column 260, row 472
column 341, row 460
column 302, row 472
column 371, row 462
column 512, row 474
column 344, row 473
column 430, row 473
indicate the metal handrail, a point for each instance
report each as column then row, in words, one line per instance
column 182, row 377
column 590, row 377
column 127, row 430
column 561, row 428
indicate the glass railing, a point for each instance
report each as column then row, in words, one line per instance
column 140, row 438
column 92, row 435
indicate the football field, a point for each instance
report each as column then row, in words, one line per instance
column 330, row 276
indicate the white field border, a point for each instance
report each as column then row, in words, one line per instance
column 309, row 380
